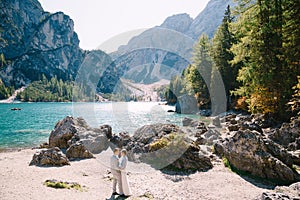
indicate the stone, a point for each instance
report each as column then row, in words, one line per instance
column 186, row 105
column 234, row 127
column 107, row 130
column 250, row 152
column 216, row 121
column 166, row 146
column 120, row 140
column 71, row 130
column 94, row 140
column 49, row 157
column 192, row 160
column 288, row 135
column 199, row 125
column 64, row 130
column 273, row 196
column 78, row 151
column 282, row 193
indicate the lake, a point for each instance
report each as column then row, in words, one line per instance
column 32, row 125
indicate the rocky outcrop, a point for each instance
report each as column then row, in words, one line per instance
column 49, row 157
column 209, row 19
column 71, row 130
column 164, row 146
column 35, row 42
column 179, row 22
column 250, row 152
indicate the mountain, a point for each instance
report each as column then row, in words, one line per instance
column 209, row 19
column 34, row 42
column 165, row 50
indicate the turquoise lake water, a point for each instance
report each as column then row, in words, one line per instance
column 32, row 125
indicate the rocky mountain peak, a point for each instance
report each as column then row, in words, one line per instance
column 178, row 22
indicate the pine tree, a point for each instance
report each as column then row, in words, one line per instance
column 260, row 31
column 222, row 55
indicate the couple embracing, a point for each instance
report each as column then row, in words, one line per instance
column 118, row 170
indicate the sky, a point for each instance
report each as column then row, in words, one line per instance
column 97, row 21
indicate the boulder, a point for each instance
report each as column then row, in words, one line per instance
column 107, row 130
column 216, row 121
column 288, row 135
column 94, row 140
column 78, row 151
column 282, row 193
column 71, row 130
column 63, row 131
column 273, row 196
column 234, row 127
column 192, row 160
column 265, row 120
column 186, row 105
column 49, row 157
column 166, row 146
column 120, row 140
column 198, row 125
column 211, row 136
column 250, row 152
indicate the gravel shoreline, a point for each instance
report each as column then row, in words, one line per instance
column 21, row 181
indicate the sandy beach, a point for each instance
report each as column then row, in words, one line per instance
column 18, row 180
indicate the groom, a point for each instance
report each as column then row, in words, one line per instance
column 115, row 170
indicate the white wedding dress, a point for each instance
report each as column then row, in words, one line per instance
column 125, row 185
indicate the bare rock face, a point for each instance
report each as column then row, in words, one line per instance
column 250, row 152
column 36, row 43
column 71, row 130
column 49, row 157
column 78, row 150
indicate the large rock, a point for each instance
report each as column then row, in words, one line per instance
column 282, row 193
column 288, row 135
column 273, row 196
column 49, row 157
column 166, row 146
column 248, row 151
column 94, row 140
column 78, row 151
column 70, row 130
column 120, row 140
column 63, row 131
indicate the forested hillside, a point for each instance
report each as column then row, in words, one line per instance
column 256, row 50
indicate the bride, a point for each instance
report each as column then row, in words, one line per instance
column 122, row 164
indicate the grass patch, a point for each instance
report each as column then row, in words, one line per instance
column 147, row 195
column 165, row 141
column 63, row 185
column 227, row 163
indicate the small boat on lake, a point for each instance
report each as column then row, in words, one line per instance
column 15, row 109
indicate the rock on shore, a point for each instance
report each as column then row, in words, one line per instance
column 76, row 138
column 251, row 149
column 164, row 146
